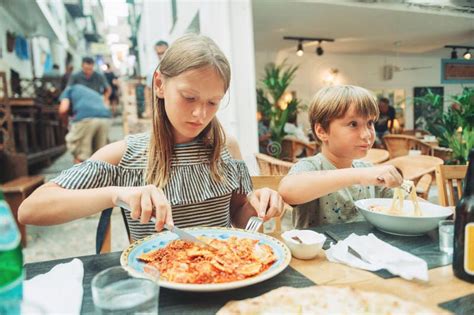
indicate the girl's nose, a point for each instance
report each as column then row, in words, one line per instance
column 199, row 111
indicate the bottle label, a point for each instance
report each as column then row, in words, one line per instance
column 469, row 248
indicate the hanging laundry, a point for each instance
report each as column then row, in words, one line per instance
column 21, row 48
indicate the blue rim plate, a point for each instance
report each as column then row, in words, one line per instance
column 129, row 260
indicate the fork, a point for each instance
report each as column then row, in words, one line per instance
column 406, row 185
column 254, row 224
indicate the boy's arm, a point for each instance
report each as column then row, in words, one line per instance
column 307, row 186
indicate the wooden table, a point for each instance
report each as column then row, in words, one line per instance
column 442, row 286
column 376, row 156
column 415, row 166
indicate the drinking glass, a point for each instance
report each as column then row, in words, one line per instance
column 115, row 291
column 446, row 236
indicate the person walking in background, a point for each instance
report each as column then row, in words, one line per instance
column 384, row 124
column 90, row 121
column 92, row 79
column 112, row 79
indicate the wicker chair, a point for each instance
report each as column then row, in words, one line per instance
column 269, row 165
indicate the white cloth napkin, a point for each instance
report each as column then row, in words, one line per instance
column 58, row 291
column 380, row 255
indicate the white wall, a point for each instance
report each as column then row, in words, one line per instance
column 229, row 24
column 362, row 70
column 154, row 25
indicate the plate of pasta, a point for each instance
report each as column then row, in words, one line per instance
column 406, row 218
column 234, row 258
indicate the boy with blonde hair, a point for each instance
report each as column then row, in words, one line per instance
column 326, row 185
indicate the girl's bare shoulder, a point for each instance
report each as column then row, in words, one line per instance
column 111, row 153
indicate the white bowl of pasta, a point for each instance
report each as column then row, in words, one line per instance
column 377, row 211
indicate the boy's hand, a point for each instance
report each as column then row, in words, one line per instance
column 383, row 175
column 267, row 203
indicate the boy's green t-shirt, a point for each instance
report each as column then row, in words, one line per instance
column 337, row 207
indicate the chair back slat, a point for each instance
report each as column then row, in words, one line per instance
column 449, row 180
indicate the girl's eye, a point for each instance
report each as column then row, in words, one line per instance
column 353, row 124
column 370, row 123
column 212, row 103
column 189, row 98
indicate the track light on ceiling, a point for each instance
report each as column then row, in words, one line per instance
column 319, row 50
column 454, row 54
column 299, row 49
column 467, row 55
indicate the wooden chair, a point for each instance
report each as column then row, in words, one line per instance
column 291, row 148
column 376, row 156
column 269, row 165
column 423, row 186
column 17, row 190
column 399, row 145
column 449, row 179
column 414, row 167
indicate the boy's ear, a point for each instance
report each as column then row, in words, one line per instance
column 158, row 81
column 320, row 132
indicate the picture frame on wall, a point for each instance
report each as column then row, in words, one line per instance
column 423, row 110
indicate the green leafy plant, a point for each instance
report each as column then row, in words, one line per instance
column 445, row 124
column 276, row 105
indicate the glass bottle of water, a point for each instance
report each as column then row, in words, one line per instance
column 11, row 262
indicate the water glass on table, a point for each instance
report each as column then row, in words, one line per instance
column 446, row 236
column 115, row 291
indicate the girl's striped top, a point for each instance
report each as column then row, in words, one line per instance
column 196, row 198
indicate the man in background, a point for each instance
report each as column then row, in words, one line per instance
column 384, row 124
column 90, row 120
column 92, row 79
column 160, row 48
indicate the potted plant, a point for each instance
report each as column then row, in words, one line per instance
column 454, row 127
column 275, row 104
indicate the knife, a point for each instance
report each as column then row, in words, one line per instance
column 351, row 250
column 173, row 229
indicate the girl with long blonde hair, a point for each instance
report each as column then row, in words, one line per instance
column 185, row 172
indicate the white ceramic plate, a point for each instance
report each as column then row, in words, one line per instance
column 129, row 260
column 403, row 225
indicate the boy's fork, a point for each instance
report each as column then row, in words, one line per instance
column 254, row 224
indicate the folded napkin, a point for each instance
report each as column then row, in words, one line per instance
column 58, row 291
column 380, row 255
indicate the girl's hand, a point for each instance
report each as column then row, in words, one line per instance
column 142, row 201
column 383, row 175
column 267, row 202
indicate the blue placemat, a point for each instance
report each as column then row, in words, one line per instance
column 461, row 306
